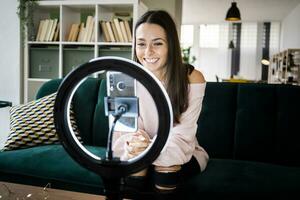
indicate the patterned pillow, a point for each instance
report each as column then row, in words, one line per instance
column 32, row 124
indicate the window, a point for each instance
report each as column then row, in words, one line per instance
column 274, row 37
column 187, row 35
column 209, row 36
column 214, row 57
column 250, row 68
column 249, row 35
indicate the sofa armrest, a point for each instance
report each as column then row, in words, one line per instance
column 48, row 88
column 5, row 104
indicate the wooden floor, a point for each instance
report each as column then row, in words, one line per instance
column 33, row 192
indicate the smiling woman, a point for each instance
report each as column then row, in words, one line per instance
column 157, row 48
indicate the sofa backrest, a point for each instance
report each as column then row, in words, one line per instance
column 216, row 123
column 251, row 122
column 88, row 108
column 256, row 122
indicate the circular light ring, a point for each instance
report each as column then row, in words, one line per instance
column 72, row 145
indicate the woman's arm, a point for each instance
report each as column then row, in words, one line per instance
column 181, row 143
column 196, row 77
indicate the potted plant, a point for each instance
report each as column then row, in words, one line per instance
column 186, row 55
column 25, row 12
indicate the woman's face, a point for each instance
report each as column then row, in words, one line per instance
column 152, row 47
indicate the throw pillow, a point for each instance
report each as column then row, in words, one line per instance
column 32, row 124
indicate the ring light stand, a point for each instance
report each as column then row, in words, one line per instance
column 111, row 171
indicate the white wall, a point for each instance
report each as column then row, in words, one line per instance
column 290, row 30
column 174, row 7
column 9, row 61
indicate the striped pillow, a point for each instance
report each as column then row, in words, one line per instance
column 32, row 124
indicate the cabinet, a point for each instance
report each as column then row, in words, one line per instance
column 55, row 57
column 285, row 67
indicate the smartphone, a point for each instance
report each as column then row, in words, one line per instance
column 122, row 85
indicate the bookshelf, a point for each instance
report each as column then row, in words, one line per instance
column 285, row 67
column 72, row 36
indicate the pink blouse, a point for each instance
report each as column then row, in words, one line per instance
column 182, row 143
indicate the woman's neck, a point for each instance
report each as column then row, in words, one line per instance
column 159, row 74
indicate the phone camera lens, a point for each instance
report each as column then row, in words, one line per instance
column 121, row 85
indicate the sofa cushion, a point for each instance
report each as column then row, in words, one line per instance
column 216, row 122
column 84, row 102
column 287, row 125
column 48, row 88
column 32, row 124
column 100, row 128
column 53, row 165
column 242, row 179
column 256, row 131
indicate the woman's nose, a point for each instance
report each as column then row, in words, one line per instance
column 149, row 49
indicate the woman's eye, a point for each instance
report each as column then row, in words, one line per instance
column 140, row 44
column 158, row 43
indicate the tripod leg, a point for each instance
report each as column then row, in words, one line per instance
column 112, row 188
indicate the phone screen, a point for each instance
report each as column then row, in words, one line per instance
column 121, row 85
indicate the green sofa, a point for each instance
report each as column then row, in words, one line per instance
column 250, row 131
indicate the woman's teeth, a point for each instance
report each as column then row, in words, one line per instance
column 151, row 60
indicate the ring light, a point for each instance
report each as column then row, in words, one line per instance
column 104, row 168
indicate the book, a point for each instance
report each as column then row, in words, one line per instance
column 49, row 28
column 93, row 36
column 75, row 33
column 56, row 34
column 53, row 30
column 39, row 30
column 104, row 31
column 91, row 30
column 128, row 30
column 118, row 27
column 71, row 33
column 88, row 28
column 44, row 30
column 123, row 30
column 115, row 31
column 81, row 32
column 110, row 32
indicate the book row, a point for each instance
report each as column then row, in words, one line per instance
column 116, row 30
column 48, row 30
column 82, row 32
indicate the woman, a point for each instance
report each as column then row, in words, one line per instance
column 156, row 47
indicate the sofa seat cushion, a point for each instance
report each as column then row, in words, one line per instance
column 50, row 163
column 242, row 179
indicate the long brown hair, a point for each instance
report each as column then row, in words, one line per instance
column 176, row 77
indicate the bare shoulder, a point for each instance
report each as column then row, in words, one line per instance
column 196, row 77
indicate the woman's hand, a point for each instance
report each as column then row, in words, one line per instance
column 137, row 143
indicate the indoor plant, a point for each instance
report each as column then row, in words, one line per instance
column 25, row 12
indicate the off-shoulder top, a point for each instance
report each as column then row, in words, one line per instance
column 182, row 143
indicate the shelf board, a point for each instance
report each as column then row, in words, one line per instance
column 38, row 79
column 115, row 43
column 78, row 43
column 84, row 43
column 38, row 42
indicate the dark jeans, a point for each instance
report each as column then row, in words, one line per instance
column 144, row 187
